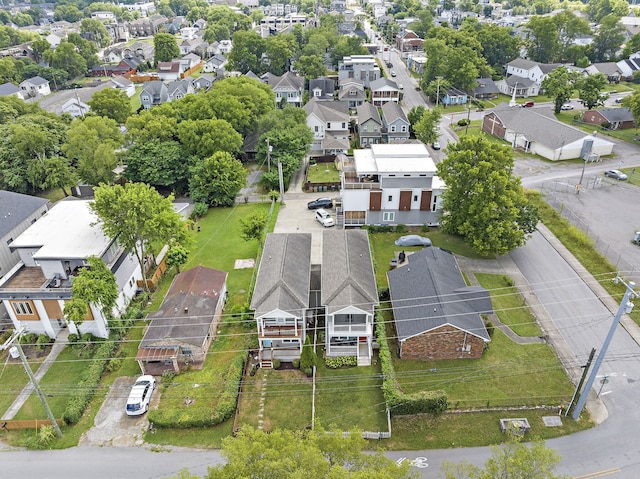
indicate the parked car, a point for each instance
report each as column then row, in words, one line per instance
column 400, row 87
column 320, row 203
column 617, row 174
column 393, row 73
column 324, row 218
column 567, row 106
column 389, row 65
column 413, row 240
column 140, row 395
column 436, row 145
column 619, row 100
column 636, row 238
column 528, row 104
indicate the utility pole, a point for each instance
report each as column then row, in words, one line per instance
column 585, row 371
column 625, row 307
column 438, row 91
column 281, row 179
column 268, row 156
column 14, row 339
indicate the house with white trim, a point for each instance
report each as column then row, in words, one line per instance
column 52, row 251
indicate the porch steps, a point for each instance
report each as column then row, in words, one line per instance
column 364, row 361
column 266, row 365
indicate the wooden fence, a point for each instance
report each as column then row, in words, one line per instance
column 27, row 423
column 153, row 281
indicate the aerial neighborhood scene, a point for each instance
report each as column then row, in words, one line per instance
column 341, row 238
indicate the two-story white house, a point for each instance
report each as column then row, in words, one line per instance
column 329, row 121
column 288, row 88
column 390, row 184
column 52, row 251
column 359, row 67
column 348, row 294
column 534, row 71
column 281, row 297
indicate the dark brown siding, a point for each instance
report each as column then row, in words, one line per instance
column 446, row 342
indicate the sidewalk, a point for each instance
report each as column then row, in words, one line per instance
column 56, row 349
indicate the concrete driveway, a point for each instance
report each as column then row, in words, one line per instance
column 112, row 426
column 295, row 217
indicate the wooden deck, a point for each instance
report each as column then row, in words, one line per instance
column 27, row 278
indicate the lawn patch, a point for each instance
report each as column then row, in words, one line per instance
column 351, row 397
column 509, row 305
column 323, row 173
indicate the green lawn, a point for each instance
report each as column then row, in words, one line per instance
column 351, row 397
column 285, row 391
column 58, row 384
column 383, row 248
column 13, row 378
column 135, row 99
column 323, row 173
column 509, row 305
column 627, row 134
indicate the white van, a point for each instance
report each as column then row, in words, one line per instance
column 324, row 218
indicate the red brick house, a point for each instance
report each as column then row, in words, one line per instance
column 436, row 315
column 409, row 41
column 617, row 118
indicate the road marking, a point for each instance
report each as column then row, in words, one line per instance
column 419, row 462
column 606, row 472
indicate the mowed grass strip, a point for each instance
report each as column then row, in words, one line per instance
column 507, row 375
column 509, row 305
column 13, row 378
column 351, row 397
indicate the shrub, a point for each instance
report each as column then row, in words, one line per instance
column 383, row 294
column 275, row 364
column 341, row 361
column 199, row 210
column 29, row 338
column 241, row 313
column 308, row 356
column 42, row 342
column 424, row 228
column 490, row 328
column 463, row 122
column 168, row 376
column 296, row 363
column 401, row 228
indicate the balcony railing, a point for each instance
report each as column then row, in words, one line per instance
column 341, row 329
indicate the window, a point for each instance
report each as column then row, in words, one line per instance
column 317, row 92
column 403, row 129
column 388, row 216
column 328, row 125
column 344, row 125
column 390, row 197
column 9, row 241
column 415, row 197
column 365, row 128
column 433, row 203
column 393, row 128
column 317, row 128
column 22, row 308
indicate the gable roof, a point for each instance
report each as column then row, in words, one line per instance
column 430, row 292
column 529, row 64
column 325, row 84
column 7, row 89
column 347, row 271
column 15, row 208
column 367, row 112
column 486, row 86
column 284, row 274
column 383, row 82
column 121, row 82
column 538, row 127
column 36, row 80
column 391, row 112
column 188, row 309
column 615, row 115
column 286, row 81
column 328, row 110
column 608, row 68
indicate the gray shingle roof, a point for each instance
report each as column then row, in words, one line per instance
column 367, row 111
column 391, row 112
column 529, row 64
column 347, row 271
column 284, row 274
column 430, row 292
column 381, row 83
column 7, row 89
column 538, row 127
column 188, row 308
column 486, row 86
column 328, row 110
column 15, row 208
column 615, row 115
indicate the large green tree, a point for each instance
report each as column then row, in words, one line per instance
column 484, row 202
column 158, row 163
column 426, row 129
column 96, row 30
column 542, row 42
column 139, row 217
column 217, row 180
column 559, row 85
column 92, row 144
column 607, row 40
column 65, row 57
column 203, row 138
column 512, row 461
column 111, row 103
column 247, row 51
column 590, row 90
column 316, row 454
column 165, row 47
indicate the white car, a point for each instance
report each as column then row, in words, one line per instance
column 324, row 218
column 567, row 106
column 140, row 395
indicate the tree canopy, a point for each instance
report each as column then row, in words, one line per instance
column 138, row 216
column 217, row 180
column 111, row 103
column 484, row 202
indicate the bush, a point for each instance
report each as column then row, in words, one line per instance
column 42, row 342
column 29, row 338
column 275, row 364
column 341, row 361
column 401, row 228
column 383, row 294
column 463, row 122
column 490, row 328
column 308, row 356
column 199, row 210
column 296, row 363
column 168, row 376
column 241, row 313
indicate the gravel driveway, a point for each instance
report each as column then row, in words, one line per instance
column 112, row 426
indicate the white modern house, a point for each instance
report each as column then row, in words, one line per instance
column 52, row 251
column 390, row 184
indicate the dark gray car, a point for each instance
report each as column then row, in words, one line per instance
column 320, row 203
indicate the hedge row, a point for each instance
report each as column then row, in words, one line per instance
column 434, row 402
column 335, row 362
column 89, row 382
column 203, row 416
